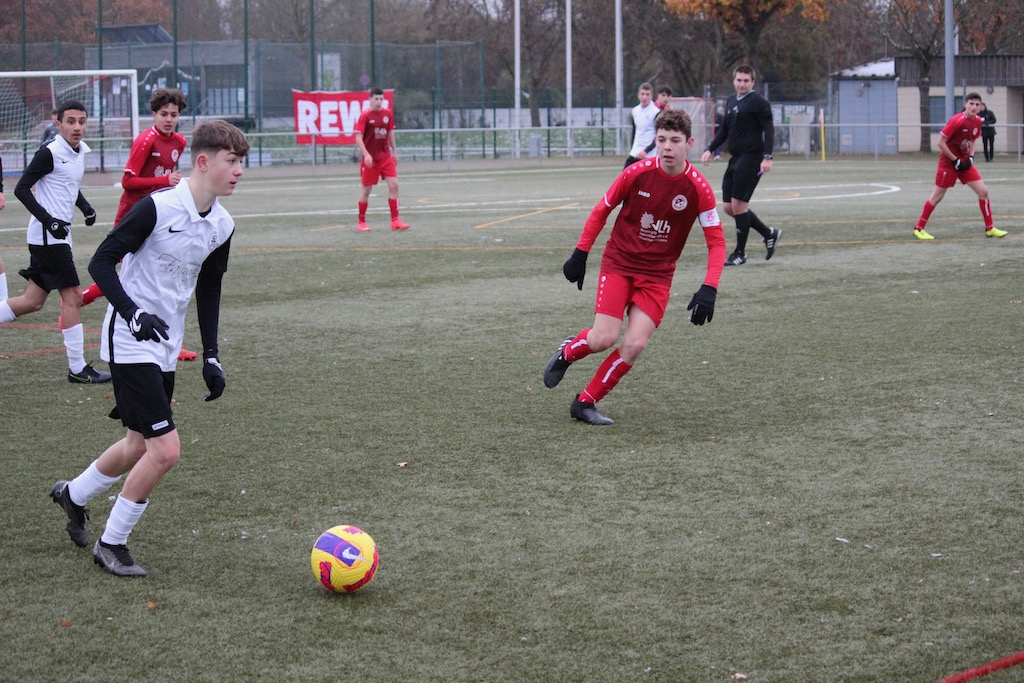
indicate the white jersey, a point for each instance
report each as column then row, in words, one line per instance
column 643, row 119
column 161, row 274
column 57, row 191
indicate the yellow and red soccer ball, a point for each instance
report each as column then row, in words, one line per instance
column 344, row 559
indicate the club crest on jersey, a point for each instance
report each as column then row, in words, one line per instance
column 174, row 155
column 679, row 202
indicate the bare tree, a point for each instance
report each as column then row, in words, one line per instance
column 917, row 27
column 492, row 22
column 748, row 18
column 992, row 27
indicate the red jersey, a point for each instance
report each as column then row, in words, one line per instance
column 657, row 213
column 153, row 158
column 960, row 132
column 374, row 127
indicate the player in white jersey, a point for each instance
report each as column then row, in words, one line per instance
column 55, row 173
column 171, row 243
column 643, row 116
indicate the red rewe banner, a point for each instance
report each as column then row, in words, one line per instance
column 329, row 118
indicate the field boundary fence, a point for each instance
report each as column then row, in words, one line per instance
column 279, row 148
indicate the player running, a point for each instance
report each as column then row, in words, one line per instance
column 661, row 197
column 150, row 167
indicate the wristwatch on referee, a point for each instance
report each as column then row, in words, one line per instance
column 768, row 157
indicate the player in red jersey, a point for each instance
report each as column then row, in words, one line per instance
column 151, row 165
column 956, row 144
column 375, row 137
column 661, row 197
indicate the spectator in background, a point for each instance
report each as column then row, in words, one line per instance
column 988, row 131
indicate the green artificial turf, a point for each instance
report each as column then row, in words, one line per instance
column 822, row 484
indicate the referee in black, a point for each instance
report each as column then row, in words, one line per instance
column 750, row 131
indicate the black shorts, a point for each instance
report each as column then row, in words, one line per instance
column 51, row 267
column 143, row 394
column 741, row 177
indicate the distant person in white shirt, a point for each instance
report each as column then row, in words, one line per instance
column 643, row 116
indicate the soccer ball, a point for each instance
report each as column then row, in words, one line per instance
column 344, row 559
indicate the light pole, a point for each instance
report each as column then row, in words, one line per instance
column 373, row 46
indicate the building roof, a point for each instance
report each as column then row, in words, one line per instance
column 885, row 68
column 137, row 34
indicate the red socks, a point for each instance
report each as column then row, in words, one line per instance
column 926, row 212
column 986, row 212
column 91, row 293
column 607, row 376
column 578, row 348
column 393, row 205
column 362, row 211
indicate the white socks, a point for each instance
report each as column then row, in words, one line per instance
column 6, row 314
column 123, row 518
column 89, row 484
column 74, row 342
column 3, row 286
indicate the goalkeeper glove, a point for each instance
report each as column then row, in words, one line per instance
column 146, row 326
column 90, row 216
column 963, row 164
column 214, row 377
column 58, row 228
column 576, row 267
column 703, row 305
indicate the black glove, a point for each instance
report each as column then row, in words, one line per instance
column 90, row 216
column 57, row 228
column 576, row 267
column 963, row 164
column 146, row 326
column 703, row 305
column 214, row 377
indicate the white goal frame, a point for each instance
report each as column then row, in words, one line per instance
column 95, row 106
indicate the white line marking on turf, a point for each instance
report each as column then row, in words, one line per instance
column 885, row 189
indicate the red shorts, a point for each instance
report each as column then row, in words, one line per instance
column 616, row 293
column 382, row 168
column 947, row 176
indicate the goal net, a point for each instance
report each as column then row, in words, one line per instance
column 110, row 97
column 702, row 113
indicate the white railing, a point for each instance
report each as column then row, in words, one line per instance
column 451, row 145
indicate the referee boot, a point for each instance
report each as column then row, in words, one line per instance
column 587, row 412
column 554, row 371
column 771, row 242
column 88, row 376
column 736, row 258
